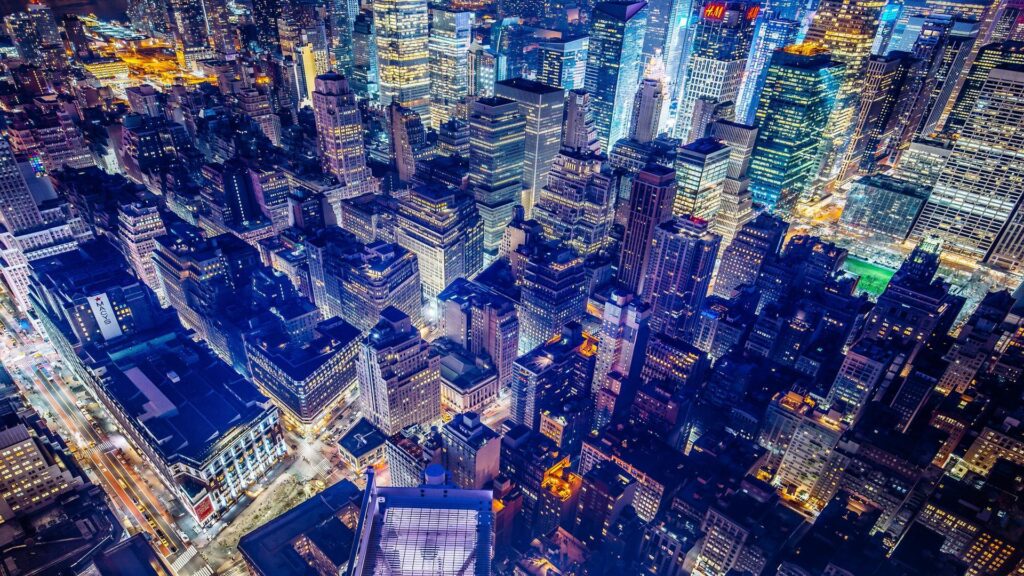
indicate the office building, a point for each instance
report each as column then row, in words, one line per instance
column 554, row 293
column 649, row 104
column 410, row 452
column 793, row 113
column 483, row 322
column 138, row 226
column 650, row 204
column 378, row 276
column 450, row 35
column 541, row 106
column 365, row 78
column 741, row 262
column 614, row 66
column 988, row 57
column 683, row 253
column 306, row 378
column 563, row 62
column 978, row 217
column 701, row 169
column 605, row 493
column 560, row 368
column 472, row 451
column 190, row 26
column 889, row 105
column 714, row 70
column 737, row 205
column 497, row 148
column 403, row 54
column 444, row 230
column 339, row 130
column 623, row 335
column 18, row 210
column 577, row 201
column 771, row 34
column 399, row 378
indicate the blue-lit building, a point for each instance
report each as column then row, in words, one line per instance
column 771, row 35
column 797, row 100
column 614, row 65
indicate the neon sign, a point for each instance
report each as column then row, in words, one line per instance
column 714, row 11
column 753, row 11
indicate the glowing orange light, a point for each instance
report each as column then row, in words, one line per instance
column 752, row 12
column 714, row 11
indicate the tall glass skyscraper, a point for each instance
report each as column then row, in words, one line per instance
column 541, row 106
column 450, row 35
column 797, row 100
column 402, row 53
column 846, row 28
column 714, row 72
column 497, row 143
column 614, row 65
column 771, row 35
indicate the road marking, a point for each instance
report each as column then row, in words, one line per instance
column 189, row 554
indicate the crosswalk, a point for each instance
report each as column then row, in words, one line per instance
column 324, row 467
column 187, row 555
column 204, row 571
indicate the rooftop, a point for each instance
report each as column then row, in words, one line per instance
column 270, row 549
column 362, row 439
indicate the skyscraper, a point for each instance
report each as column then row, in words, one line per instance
column 399, row 378
column 554, row 294
column 795, row 107
column 497, row 144
column 483, row 322
column 989, row 57
column 188, row 18
column 365, row 78
column 265, row 14
column 846, row 28
column 649, row 102
column 339, row 130
column 974, row 206
column 701, row 168
column 443, row 228
column 541, row 106
column 614, row 64
column 138, row 225
column 678, row 275
column 650, row 204
column 714, row 71
column 892, row 85
column 576, row 204
column 378, row 276
column 450, row 36
column 402, row 53
column 758, row 240
column 736, row 207
column 563, row 62
column 18, row 210
column 772, row 34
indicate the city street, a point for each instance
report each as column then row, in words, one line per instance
column 136, row 494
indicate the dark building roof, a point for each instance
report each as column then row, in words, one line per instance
column 269, row 550
column 362, row 439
